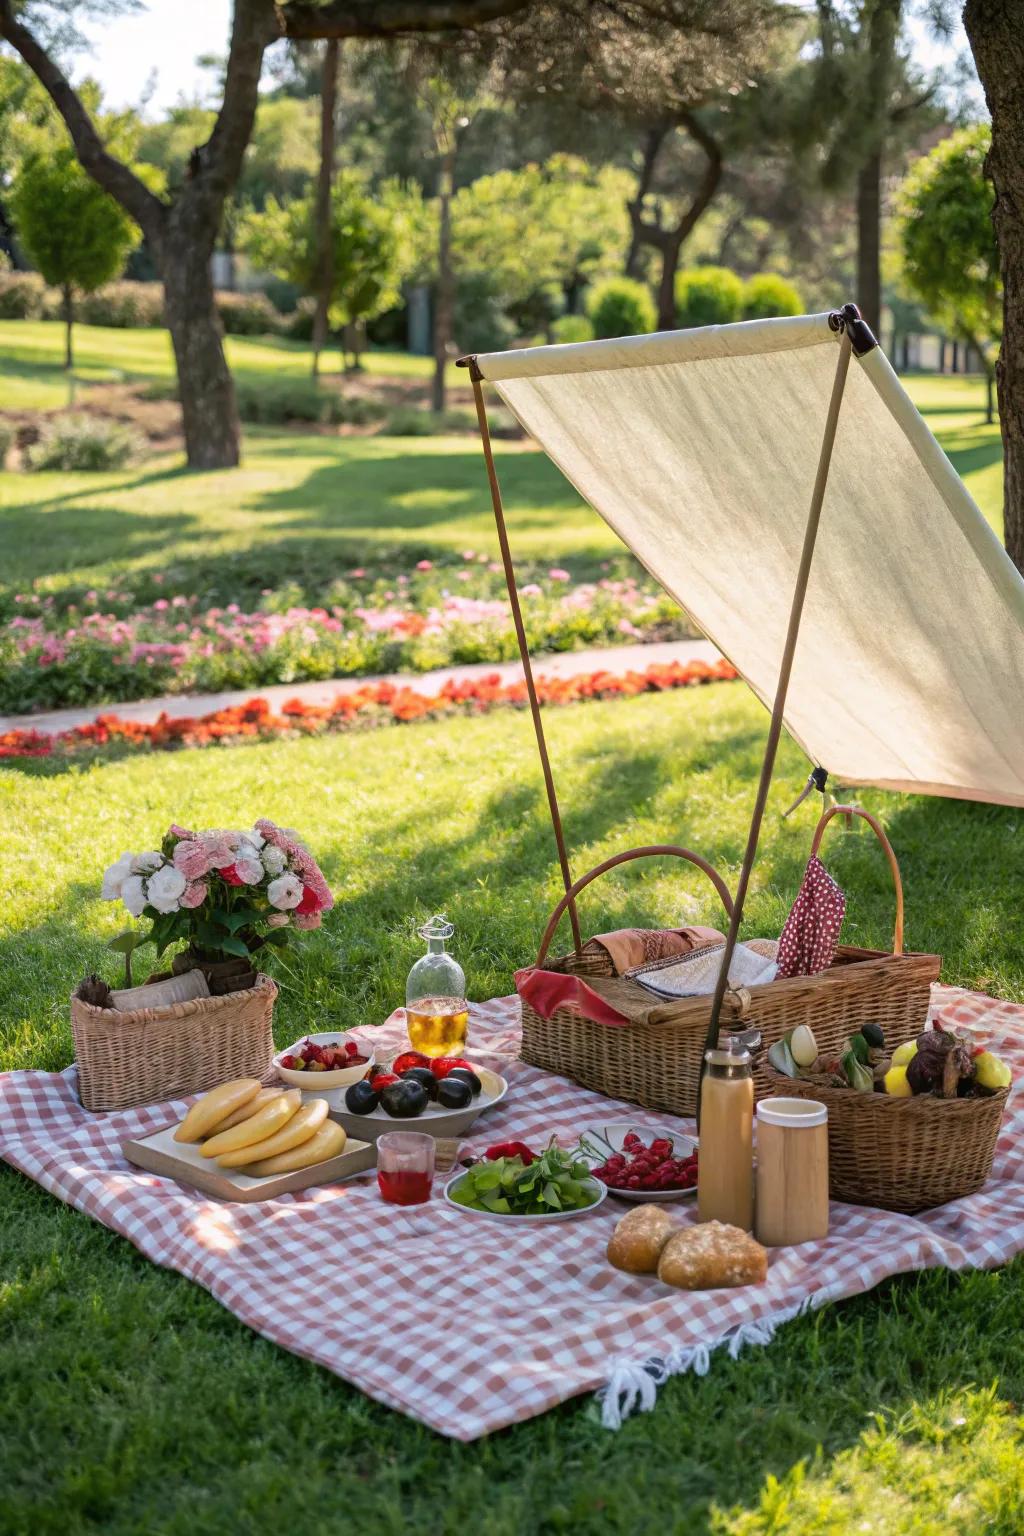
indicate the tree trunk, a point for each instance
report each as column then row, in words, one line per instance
column 69, row 321
column 444, row 299
column 208, row 405
column 869, row 240
column 997, row 42
column 667, row 285
column 325, row 180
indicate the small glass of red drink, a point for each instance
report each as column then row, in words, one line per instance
column 405, row 1167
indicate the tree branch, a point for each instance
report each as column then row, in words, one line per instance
column 712, row 173
column 105, row 169
column 388, row 18
column 252, row 29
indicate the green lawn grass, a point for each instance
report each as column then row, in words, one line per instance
column 32, row 360
column 306, row 507
column 135, row 1404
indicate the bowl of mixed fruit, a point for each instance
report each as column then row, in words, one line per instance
column 641, row 1164
column 443, row 1094
column 324, row 1061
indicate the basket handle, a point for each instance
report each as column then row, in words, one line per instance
column 876, row 827
column 624, row 858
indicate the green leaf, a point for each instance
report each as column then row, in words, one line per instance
column 277, row 936
column 232, row 946
column 238, row 919
column 129, row 941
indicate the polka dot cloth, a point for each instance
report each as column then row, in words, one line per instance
column 808, row 942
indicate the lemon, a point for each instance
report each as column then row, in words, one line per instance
column 896, row 1085
column 991, row 1072
column 904, row 1053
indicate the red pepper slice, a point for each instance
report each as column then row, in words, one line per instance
column 511, row 1149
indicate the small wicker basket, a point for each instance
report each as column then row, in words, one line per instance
column 125, row 1059
column 656, row 1059
column 902, row 1154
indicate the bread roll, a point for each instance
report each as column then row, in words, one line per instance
column 327, row 1142
column 266, row 1122
column 251, row 1107
column 636, row 1243
column 303, row 1126
column 216, row 1106
column 709, row 1255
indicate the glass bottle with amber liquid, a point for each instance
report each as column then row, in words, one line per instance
column 436, row 1011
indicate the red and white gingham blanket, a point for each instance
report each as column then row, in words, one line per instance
column 466, row 1324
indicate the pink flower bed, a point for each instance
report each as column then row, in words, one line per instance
column 108, row 648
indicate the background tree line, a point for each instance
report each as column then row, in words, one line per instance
column 545, row 170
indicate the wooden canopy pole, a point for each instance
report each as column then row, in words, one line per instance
column 517, row 618
column 855, row 336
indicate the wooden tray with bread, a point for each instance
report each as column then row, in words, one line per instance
column 245, row 1142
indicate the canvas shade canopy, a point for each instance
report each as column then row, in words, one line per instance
column 699, row 448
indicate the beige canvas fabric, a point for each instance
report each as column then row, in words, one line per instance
column 699, row 448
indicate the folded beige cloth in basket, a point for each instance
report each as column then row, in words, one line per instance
column 631, row 947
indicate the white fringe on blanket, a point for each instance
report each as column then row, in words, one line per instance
column 632, row 1388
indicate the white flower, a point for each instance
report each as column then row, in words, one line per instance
column 285, row 892
column 274, row 860
column 255, row 837
column 115, row 876
column 146, row 863
column 249, row 870
column 278, row 920
column 165, row 888
column 133, row 894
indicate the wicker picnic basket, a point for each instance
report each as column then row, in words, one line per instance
column 656, row 1059
column 125, row 1059
column 902, row 1154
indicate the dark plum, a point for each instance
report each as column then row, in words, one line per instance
column 404, row 1100
column 424, row 1077
column 464, row 1075
column 453, row 1094
column 362, row 1098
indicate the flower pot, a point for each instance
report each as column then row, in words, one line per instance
column 222, row 976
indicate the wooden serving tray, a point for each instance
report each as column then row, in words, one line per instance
column 160, row 1153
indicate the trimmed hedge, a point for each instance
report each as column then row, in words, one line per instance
column 123, row 306
column 24, row 296
column 621, row 307
column 767, row 295
column 708, row 296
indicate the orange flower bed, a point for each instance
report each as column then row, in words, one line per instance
column 374, row 704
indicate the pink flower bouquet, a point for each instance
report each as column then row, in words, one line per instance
column 225, row 894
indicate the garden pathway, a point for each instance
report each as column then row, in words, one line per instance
column 617, row 659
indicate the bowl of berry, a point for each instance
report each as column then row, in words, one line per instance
column 317, row 1062
column 641, row 1164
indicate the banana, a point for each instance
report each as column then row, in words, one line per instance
column 266, row 1122
column 300, row 1128
column 248, row 1108
column 327, row 1142
column 214, row 1106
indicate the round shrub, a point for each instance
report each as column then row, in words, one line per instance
column 299, row 324
column 248, row 314
column 22, row 296
column 621, row 307
column 83, row 442
column 708, row 296
column 570, row 328
column 123, row 305
column 767, row 295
